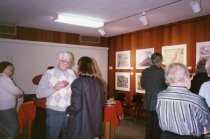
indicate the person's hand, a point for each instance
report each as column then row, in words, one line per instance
column 206, row 132
column 58, row 85
column 65, row 83
column 20, row 96
column 61, row 84
column 207, row 135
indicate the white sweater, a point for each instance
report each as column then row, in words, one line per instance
column 56, row 100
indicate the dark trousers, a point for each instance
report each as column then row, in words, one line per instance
column 39, row 128
column 153, row 130
column 56, row 124
column 8, row 124
column 169, row 135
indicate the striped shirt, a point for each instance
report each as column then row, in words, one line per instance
column 182, row 112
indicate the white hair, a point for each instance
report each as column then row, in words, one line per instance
column 177, row 75
column 64, row 56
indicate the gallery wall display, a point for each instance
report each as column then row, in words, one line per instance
column 122, row 81
column 139, row 89
column 122, row 60
column 143, row 58
column 174, row 53
column 202, row 50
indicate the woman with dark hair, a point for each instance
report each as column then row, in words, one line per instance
column 87, row 100
column 8, row 98
column 200, row 77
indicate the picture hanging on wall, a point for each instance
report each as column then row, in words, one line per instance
column 139, row 89
column 174, row 53
column 143, row 58
column 122, row 81
column 123, row 60
column 202, row 50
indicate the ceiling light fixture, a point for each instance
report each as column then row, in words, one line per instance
column 101, row 31
column 80, row 21
column 195, row 5
column 146, row 11
column 144, row 19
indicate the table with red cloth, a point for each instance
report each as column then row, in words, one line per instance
column 112, row 114
column 26, row 114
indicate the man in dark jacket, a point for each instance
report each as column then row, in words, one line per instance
column 153, row 81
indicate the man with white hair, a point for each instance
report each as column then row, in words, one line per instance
column 205, row 87
column 55, row 86
column 182, row 114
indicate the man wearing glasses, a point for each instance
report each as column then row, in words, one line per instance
column 55, row 86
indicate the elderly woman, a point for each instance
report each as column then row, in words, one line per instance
column 182, row 114
column 200, row 77
column 8, row 99
column 87, row 100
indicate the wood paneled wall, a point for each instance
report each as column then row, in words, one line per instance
column 189, row 32
column 32, row 34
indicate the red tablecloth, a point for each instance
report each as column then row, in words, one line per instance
column 27, row 112
column 112, row 113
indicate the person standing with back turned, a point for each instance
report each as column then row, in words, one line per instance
column 55, row 86
column 153, row 81
column 87, row 101
column 182, row 114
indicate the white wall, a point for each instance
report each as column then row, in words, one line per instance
column 32, row 58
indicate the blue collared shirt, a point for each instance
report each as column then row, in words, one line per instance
column 205, row 92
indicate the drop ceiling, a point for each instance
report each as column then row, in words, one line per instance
column 120, row 16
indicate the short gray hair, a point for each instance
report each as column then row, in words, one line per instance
column 207, row 66
column 62, row 55
column 177, row 74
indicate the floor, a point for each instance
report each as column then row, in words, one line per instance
column 130, row 129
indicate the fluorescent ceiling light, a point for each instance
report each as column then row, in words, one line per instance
column 80, row 21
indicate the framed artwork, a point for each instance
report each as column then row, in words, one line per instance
column 123, row 60
column 138, row 84
column 143, row 58
column 122, row 81
column 174, row 53
column 202, row 50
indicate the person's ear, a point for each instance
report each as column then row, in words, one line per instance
column 57, row 61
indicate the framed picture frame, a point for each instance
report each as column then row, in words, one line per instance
column 202, row 50
column 122, row 60
column 174, row 53
column 122, row 81
column 143, row 58
column 138, row 84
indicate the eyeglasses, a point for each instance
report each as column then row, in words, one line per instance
column 65, row 61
